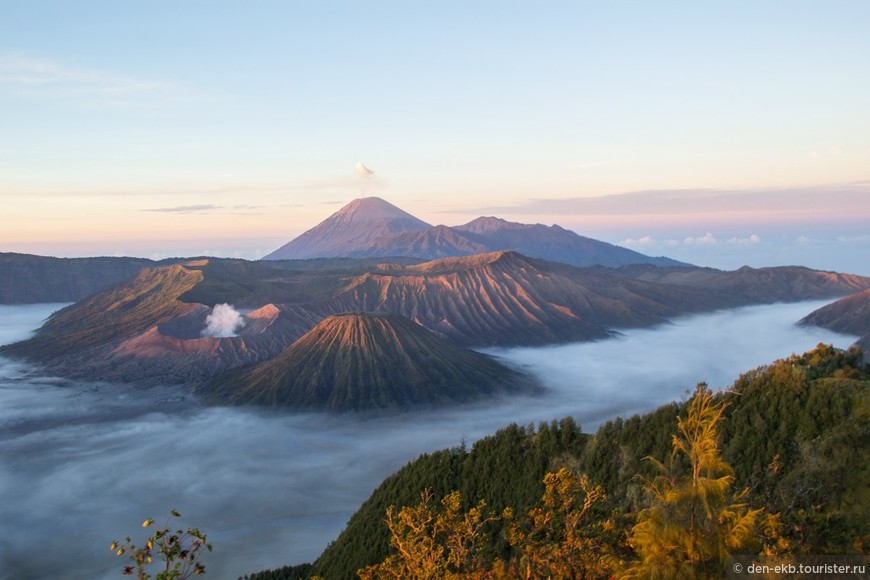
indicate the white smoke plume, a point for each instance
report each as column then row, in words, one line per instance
column 363, row 171
column 224, row 321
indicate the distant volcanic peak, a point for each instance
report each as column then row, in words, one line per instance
column 370, row 227
column 372, row 210
column 354, row 226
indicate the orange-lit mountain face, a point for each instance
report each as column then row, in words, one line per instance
column 372, row 227
column 367, row 361
column 153, row 327
column 504, row 298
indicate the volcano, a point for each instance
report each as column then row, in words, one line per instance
column 354, row 361
column 356, row 225
column 371, row 227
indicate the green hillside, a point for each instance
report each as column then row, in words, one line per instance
column 796, row 433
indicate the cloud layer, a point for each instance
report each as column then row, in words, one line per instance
column 817, row 205
column 84, row 464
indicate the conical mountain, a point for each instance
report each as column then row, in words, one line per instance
column 354, row 226
column 372, row 227
column 352, row 362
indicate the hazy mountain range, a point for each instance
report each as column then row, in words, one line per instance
column 371, row 227
column 175, row 323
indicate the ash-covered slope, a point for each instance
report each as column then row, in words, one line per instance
column 371, row 227
column 352, row 362
column 176, row 351
column 152, row 297
column 504, row 298
column 356, row 225
column 145, row 330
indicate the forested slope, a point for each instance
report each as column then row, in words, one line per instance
column 796, row 433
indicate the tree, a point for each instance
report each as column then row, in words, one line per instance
column 433, row 542
column 180, row 551
column 693, row 522
column 561, row 539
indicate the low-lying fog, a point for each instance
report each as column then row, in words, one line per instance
column 84, row 464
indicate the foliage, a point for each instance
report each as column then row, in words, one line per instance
column 693, row 522
column 179, row 550
column 433, row 542
column 795, row 433
column 504, row 470
column 562, row 537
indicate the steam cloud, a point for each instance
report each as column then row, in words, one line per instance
column 223, row 322
column 363, row 171
column 275, row 488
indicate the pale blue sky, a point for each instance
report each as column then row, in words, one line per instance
column 255, row 113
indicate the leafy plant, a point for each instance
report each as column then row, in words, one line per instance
column 562, row 537
column 432, row 541
column 694, row 521
column 179, row 550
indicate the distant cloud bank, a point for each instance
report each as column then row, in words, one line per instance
column 829, row 203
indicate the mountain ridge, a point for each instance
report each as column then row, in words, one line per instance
column 30, row 279
column 372, row 227
column 149, row 329
column 848, row 315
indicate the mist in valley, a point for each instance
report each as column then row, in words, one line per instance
column 84, row 464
